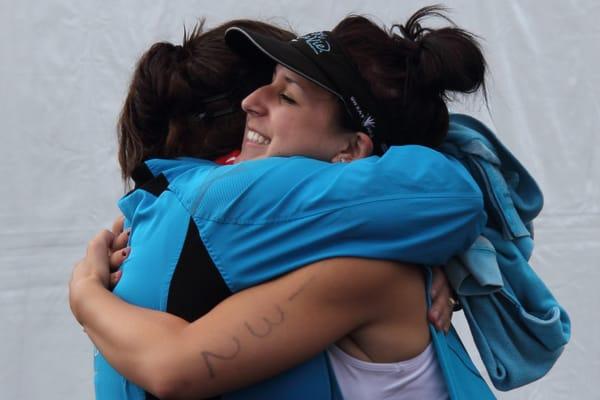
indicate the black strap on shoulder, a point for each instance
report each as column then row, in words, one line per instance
column 156, row 186
column 141, row 175
column 197, row 285
column 145, row 180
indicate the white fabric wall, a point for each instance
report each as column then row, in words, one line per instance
column 64, row 70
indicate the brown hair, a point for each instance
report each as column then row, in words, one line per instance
column 177, row 95
column 412, row 75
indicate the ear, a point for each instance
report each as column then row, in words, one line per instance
column 360, row 145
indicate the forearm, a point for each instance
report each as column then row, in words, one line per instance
column 134, row 340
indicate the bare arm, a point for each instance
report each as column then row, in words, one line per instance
column 440, row 313
column 279, row 324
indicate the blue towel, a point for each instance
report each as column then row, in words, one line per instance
column 519, row 328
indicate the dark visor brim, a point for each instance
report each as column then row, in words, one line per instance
column 255, row 46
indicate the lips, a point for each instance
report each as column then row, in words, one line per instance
column 256, row 138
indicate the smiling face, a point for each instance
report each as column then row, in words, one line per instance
column 293, row 116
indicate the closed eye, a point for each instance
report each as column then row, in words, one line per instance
column 287, row 99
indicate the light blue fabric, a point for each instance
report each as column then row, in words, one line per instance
column 463, row 380
column 156, row 242
column 518, row 326
column 412, row 204
column 261, row 219
column 476, row 271
column 282, row 214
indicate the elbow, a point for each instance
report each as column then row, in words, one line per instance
column 170, row 383
column 166, row 371
column 166, row 392
column 159, row 381
column 172, row 389
column 163, row 389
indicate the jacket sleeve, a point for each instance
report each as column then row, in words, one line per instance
column 260, row 219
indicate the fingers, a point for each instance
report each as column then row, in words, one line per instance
column 114, row 279
column 440, row 313
column 117, row 226
column 121, row 235
column 437, row 281
column 445, row 313
column 99, row 246
column 121, row 240
column 117, row 258
column 96, row 262
column 119, row 250
column 446, row 321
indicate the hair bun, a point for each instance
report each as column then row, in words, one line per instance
column 446, row 59
column 451, row 60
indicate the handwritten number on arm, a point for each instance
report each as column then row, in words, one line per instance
column 207, row 355
column 269, row 325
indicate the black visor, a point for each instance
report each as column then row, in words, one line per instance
column 318, row 58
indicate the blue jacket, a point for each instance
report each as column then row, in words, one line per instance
column 251, row 222
column 518, row 326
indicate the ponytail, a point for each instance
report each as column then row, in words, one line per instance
column 145, row 120
column 184, row 100
column 413, row 74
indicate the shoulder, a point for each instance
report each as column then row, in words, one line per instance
column 429, row 168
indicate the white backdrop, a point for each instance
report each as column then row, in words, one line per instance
column 64, row 70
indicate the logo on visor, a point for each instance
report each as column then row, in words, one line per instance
column 367, row 121
column 317, row 41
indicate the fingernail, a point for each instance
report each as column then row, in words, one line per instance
column 128, row 231
column 125, row 251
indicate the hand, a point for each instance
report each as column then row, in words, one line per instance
column 93, row 269
column 118, row 251
column 96, row 263
column 440, row 313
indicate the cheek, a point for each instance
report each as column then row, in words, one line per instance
column 308, row 143
column 309, row 134
column 321, row 134
column 287, row 131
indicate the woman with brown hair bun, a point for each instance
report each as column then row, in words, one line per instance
column 321, row 253
column 184, row 100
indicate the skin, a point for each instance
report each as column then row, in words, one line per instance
column 311, row 308
column 376, row 313
column 296, row 117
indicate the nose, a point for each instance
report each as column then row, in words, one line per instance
column 255, row 103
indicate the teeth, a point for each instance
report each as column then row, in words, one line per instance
column 256, row 137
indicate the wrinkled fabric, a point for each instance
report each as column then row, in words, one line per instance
column 518, row 326
column 262, row 219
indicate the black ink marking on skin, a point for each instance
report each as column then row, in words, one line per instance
column 301, row 288
column 270, row 324
column 206, row 355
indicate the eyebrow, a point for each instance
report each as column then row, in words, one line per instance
column 289, row 80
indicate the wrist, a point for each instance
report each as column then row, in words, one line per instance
column 82, row 294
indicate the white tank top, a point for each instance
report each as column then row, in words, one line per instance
column 419, row 378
